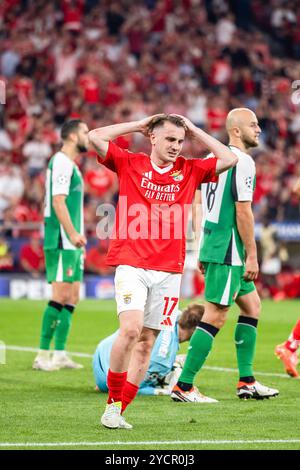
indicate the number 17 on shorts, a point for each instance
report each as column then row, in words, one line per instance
column 169, row 307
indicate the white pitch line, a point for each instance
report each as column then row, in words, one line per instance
column 213, row 368
column 146, row 443
column 27, row 349
column 266, row 374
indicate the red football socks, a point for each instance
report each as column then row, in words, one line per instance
column 294, row 339
column 129, row 392
column 115, row 383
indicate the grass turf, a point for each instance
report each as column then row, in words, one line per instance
column 62, row 407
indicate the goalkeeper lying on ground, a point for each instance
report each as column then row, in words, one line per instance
column 165, row 367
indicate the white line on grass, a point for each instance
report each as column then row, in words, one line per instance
column 146, row 443
column 27, row 349
column 213, row 368
column 265, row 374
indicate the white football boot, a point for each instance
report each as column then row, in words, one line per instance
column 192, row 396
column 60, row 360
column 111, row 417
column 42, row 362
column 123, row 424
column 255, row 390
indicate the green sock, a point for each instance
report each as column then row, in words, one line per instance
column 199, row 348
column 49, row 323
column 63, row 327
column 245, row 342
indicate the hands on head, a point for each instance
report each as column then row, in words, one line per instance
column 146, row 124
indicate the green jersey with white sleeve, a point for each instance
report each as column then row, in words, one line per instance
column 63, row 178
column 220, row 240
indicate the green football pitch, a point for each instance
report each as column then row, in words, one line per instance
column 61, row 410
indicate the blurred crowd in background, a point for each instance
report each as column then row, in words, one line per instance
column 109, row 61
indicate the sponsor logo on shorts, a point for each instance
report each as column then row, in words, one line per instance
column 127, row 298
column 167, row 322
column 70, row 271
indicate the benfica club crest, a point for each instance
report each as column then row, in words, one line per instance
column 177, row 175
column 127, row 298
column 70, row 271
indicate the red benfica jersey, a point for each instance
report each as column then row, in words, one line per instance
column 153, row 208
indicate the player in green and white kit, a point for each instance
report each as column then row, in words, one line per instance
column 228, row 259
column 63, row 245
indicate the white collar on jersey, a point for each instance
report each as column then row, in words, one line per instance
column 163, row 170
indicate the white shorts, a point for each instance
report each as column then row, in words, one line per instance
column 156, row 293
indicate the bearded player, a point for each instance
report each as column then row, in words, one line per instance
column 63, row 246
column 228, row 259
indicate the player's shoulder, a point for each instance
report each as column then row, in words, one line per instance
column 62, row 160
column 244, row 158
column 125, row 151
column 182, row 162
column 194, row 160
column 139, row 161
column 210, row 155
column 139, row 155
column 187, row 160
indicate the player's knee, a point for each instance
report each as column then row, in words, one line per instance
column 131, row 334
column 256, row 308
column 219, row 322
column 147, row 347
column 216, row 318
column 253, row 309
column 74, row 299
column 63, row 298
column 143, row 349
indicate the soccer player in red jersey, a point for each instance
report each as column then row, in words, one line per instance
column 148, row 243
column 287, row 351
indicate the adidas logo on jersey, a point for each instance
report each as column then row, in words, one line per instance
column 148, row 175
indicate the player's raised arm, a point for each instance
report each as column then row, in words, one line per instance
column 99, row 138
column 226, row 158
